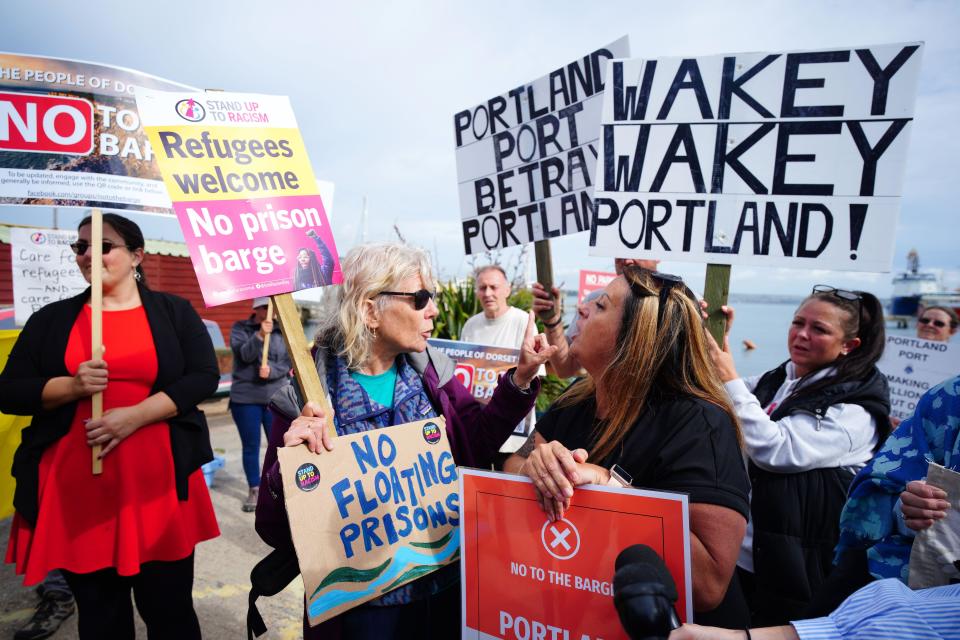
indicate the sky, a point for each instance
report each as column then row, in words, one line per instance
column 375, row 86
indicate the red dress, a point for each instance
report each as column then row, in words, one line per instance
column 130, row 514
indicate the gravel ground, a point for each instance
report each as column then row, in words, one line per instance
column 222, row 565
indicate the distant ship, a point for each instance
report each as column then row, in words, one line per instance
column 912, row 285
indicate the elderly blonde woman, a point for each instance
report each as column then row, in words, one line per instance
column 373, row 359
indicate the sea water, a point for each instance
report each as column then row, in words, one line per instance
column 766, row 325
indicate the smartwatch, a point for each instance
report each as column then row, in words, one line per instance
column 620, row 477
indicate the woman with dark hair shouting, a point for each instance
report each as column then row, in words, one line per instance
column 808, row 426
column 653, row 410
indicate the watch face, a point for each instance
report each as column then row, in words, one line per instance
column 620, row 475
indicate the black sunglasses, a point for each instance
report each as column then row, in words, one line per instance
column 80, row 246
column 939, row 324
column 420, row 298
column 667, row 282
column 843, row 294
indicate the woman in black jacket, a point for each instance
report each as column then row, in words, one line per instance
column 134, row 526
column 808, row 426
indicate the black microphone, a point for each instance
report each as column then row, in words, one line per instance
column 644, row 594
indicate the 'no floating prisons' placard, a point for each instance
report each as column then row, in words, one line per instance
column 525, row 158
column 785, row 159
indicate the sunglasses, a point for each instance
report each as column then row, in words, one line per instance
column 843, row 294
column 80, row 246
column 420, row 298
column 667, row 282
column 939, row 324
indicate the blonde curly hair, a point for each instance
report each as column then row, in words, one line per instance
column 367, row 270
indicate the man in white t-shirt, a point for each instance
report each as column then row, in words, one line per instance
column 500, row 324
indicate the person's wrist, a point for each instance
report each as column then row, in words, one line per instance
column 520, row 381
column 554, row 322
column 76, row 387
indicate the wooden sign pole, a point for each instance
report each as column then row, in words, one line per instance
column 715, row 292
column 299, row 349
column 96, row 318
column 266, row 336
column 541, row 249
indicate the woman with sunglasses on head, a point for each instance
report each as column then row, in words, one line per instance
column 937, row 324
column 808, row 426
column 133, row 527
column 651, row 412
column 374, row 361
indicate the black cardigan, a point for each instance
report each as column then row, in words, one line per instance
column 187, row 371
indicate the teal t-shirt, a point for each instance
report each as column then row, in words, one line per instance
column 379, row 387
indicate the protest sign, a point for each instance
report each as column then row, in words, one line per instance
column 479, row 367
column 44, row 269
column 70, row 135
column 912, row 366
column 935, row 554
column 525, row 158
column 792, row 159
column 379, row 511
column 591, row 281
column 244, row 193
column 526, row 577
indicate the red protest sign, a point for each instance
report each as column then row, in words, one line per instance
column 591, row 281
column 45, row 124
column 525, row 577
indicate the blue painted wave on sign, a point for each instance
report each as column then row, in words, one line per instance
column 404, row 557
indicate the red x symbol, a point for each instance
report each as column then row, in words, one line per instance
column 561, row 539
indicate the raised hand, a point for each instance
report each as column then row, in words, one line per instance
column 545, row 303
column 722, row 357
column 534, row 352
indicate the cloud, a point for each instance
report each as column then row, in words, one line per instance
column 375, row 87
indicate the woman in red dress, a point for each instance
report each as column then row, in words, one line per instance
column 133, row 527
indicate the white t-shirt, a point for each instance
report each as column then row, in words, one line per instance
column 505, row 331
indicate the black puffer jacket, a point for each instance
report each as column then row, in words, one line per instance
column 796, row 515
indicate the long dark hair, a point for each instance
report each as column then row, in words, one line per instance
column 312, row 274
column 862, row 319
column 126, row 229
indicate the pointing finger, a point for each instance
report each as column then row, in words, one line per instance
column 531, row 327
